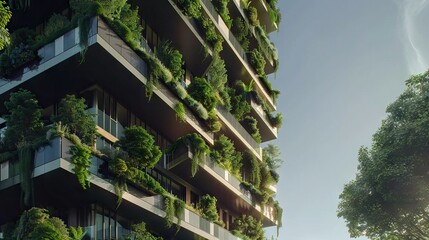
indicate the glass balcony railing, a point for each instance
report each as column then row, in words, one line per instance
column 255, row 147
column 184, row 153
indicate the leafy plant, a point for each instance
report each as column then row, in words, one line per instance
column 197, row 107
column 252, row 15
column 77, row 233
column 5, row 15
column 81, row 160
column 224, row 153
column 257, row 61
column 239, row 105
column 140, row 232
column 270, row 156
column 240, row 29
column 73, row 115
column 218, row 79
column 213, row 123
column 140, row 146
column 278, row 215
column 171, row 58
column 191, row 8
column 56, row 25
column 169, row 210
column 203, row 92
column 36, row 223
column 249, row 227
column 180, row 112
column 17, row 58
column 207, row 206
column 276, row 120
column 251, row 125
column 197, row 146
column 210, row 34
column 23, row 123
column 179, row 209
column 221, row 7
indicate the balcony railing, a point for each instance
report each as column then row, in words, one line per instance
column 240, row 129
column 59, row 149
column 183, row 153
column 236, row 45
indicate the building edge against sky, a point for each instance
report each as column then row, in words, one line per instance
column 197, row 69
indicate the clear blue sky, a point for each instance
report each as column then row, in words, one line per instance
column 342, row 63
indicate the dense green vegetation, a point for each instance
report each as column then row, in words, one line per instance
column 389, row 198
column 5, row 15
column 224, row 154
column 248, row 228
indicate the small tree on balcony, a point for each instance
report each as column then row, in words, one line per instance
column 140, row 146
column 25, row 133
column 73, row 115
column 249, row 227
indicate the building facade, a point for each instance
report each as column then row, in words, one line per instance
column 125, row 81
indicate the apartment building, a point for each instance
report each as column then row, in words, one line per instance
column 117, row 60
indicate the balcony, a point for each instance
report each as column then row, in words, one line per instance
column 235, row 57
column 267, row 130
column 242, row 139
column 53, row 163
column 220, row 183
column 109, row 63
column 264, row 15
column 180, row 30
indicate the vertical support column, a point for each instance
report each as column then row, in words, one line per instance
column 188, row 196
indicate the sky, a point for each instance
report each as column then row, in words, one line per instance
column 341, row 63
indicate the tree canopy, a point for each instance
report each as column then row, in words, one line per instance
column 5, row 15
column 389, row 198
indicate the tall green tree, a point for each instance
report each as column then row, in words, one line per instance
column 389, row 198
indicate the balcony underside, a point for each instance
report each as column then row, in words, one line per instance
column 212, row 183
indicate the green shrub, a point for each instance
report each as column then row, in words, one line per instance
column 213, row 123
column 203, row 92
column 139, row 232
column 180, row 112
column 36, row 223
column 23, row 123
column 207, row 206
column 221, row 7
column 239, row 105
column 240, row 29
column 252, row 15
column 171, row 58
column 169, row 210
column 180, row 91
column 191, row 8
column 249, row 227
column 140, row 146
column 210, row 34
column 224, row 153
column 198, row 148
column 18, row 57
column 56, row 24
column 276, row 120
column 257, row 61
column 145, row 181
column 73, row 115
column 251, row 125
column 197, row 107
column 5, row 14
